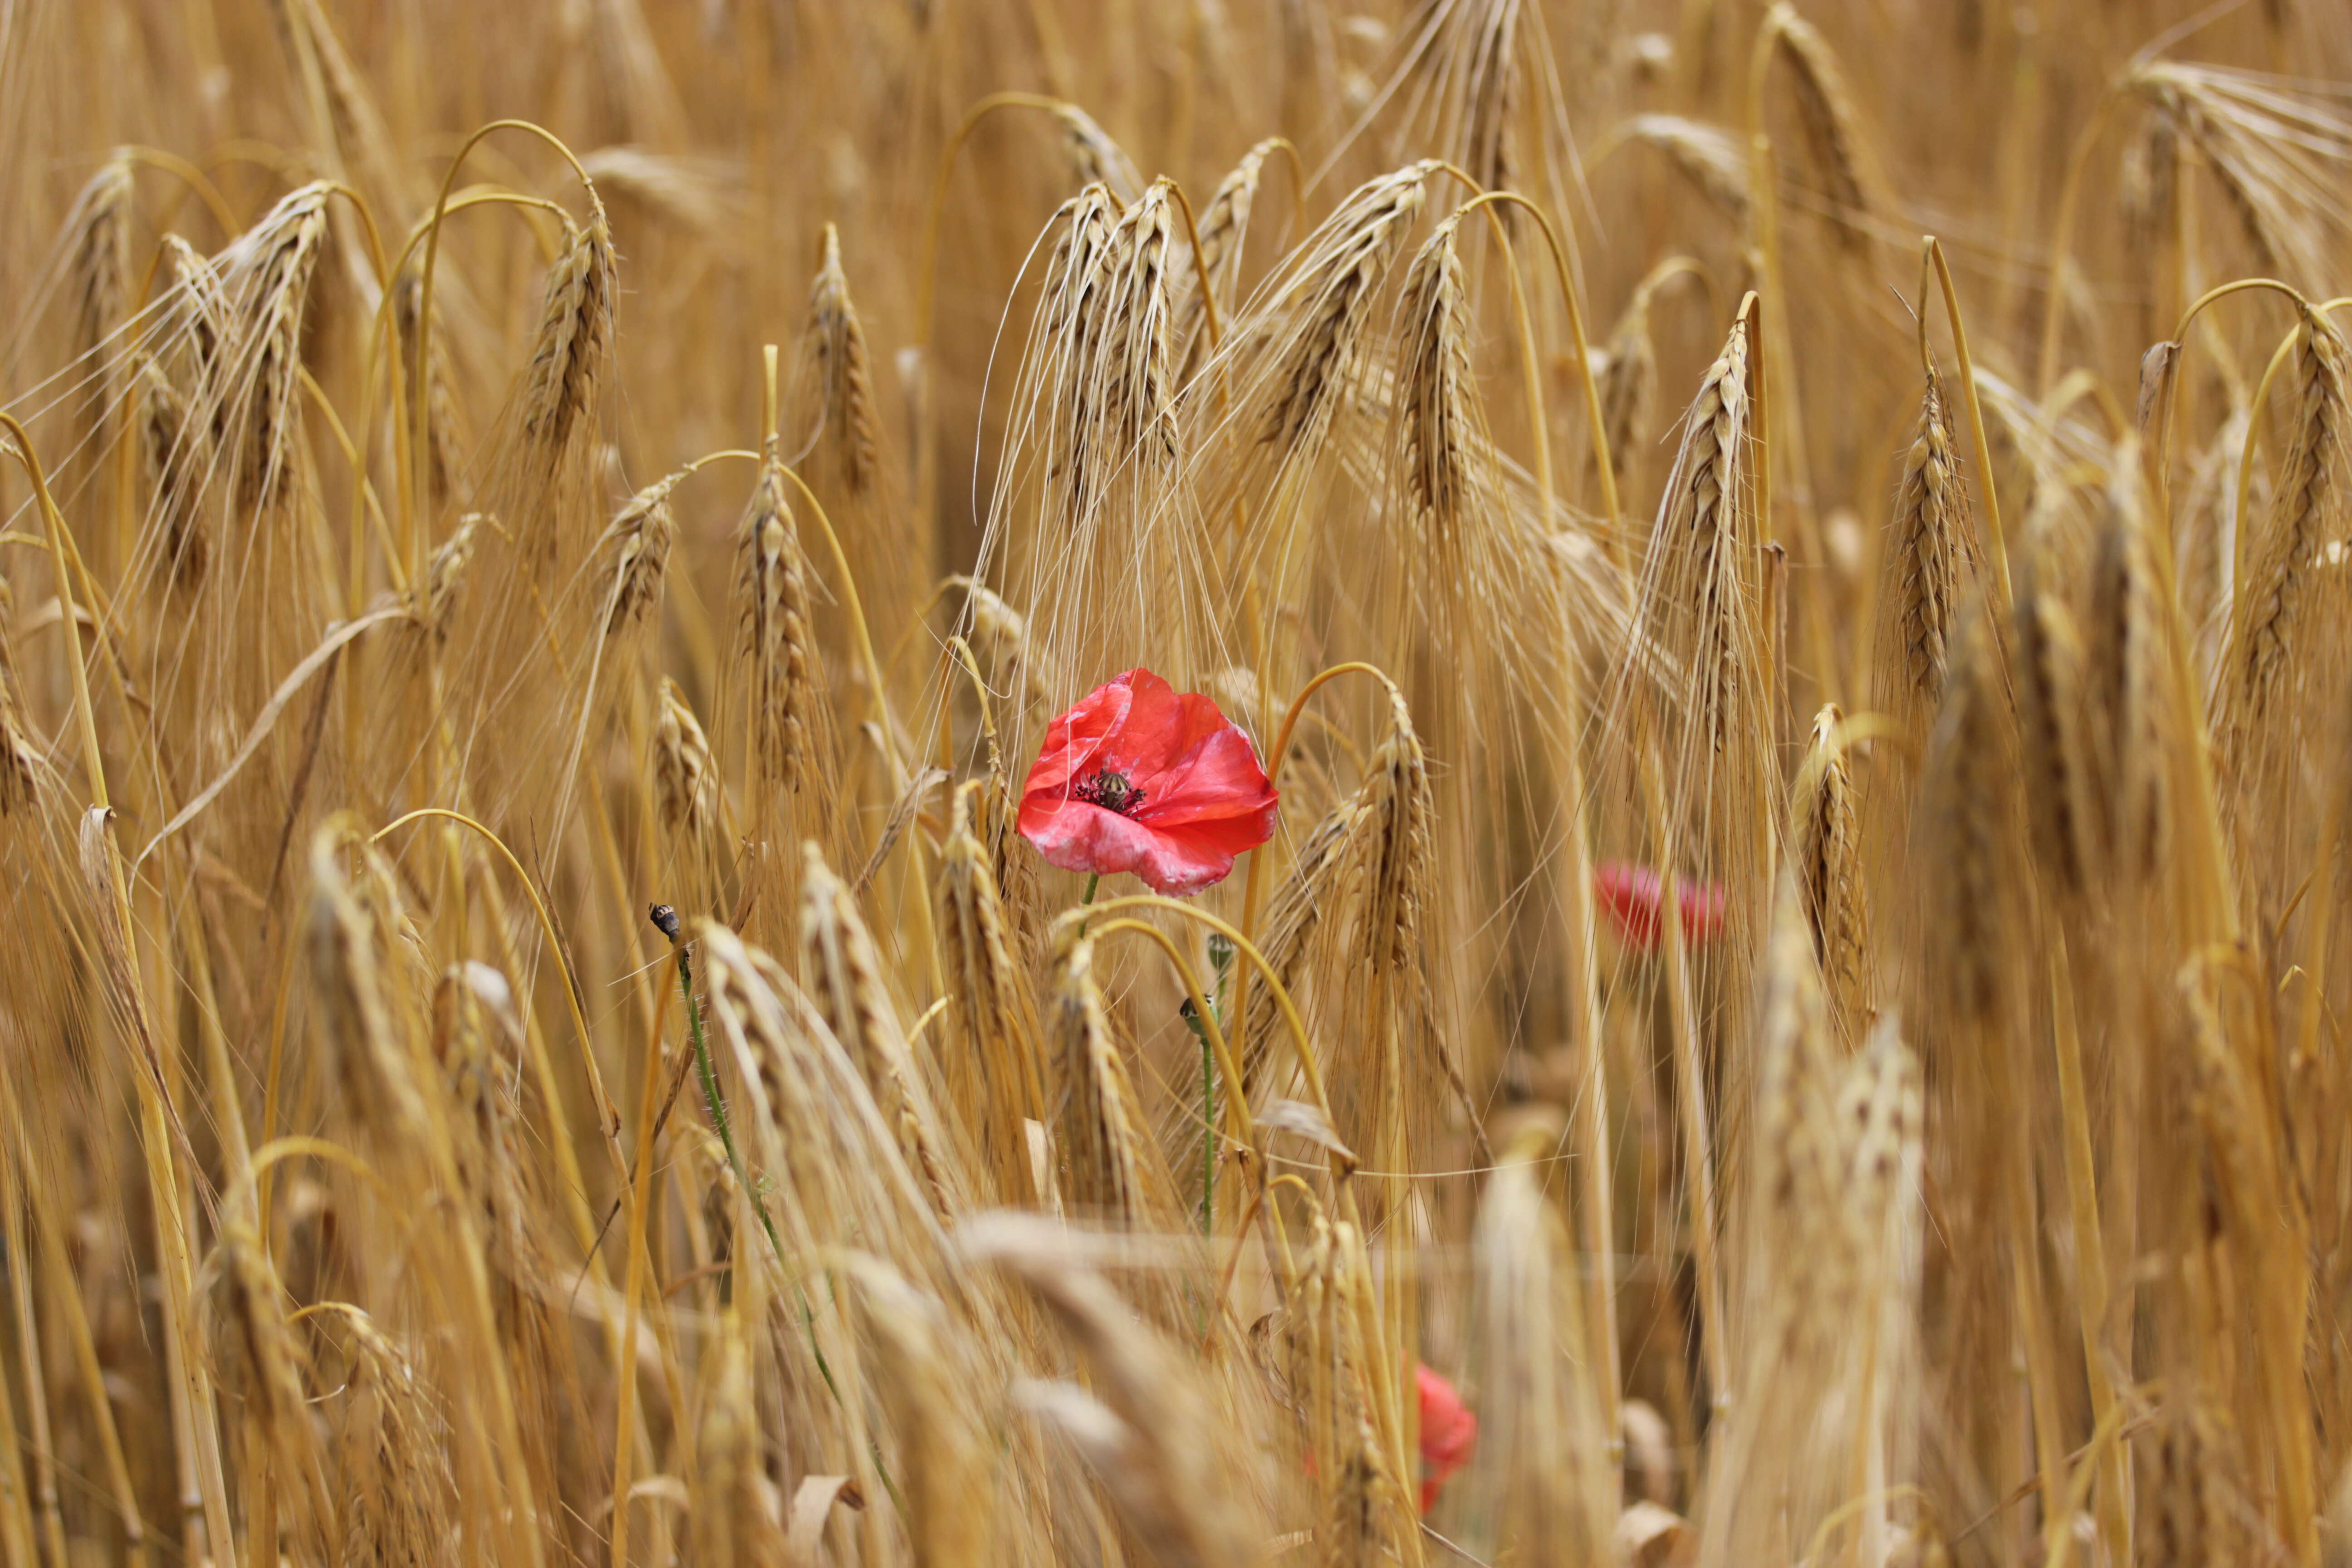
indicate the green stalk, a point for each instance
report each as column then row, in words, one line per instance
column 710, row 1097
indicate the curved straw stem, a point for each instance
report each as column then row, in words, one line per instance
column 1578, row 345
column 926, row 281
column 419, row 442
column 1245, row 1129
column 381, row 336
column 1200, row 268
column 1253, row 887
column 608, row 1121
column 2180, row 346
column 1248, row 950
column 196, row 179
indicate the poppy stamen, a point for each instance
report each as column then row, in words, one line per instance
column 1110, row 791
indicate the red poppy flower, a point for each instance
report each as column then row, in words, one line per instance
column 1631, row 896
column 1448, row 1432
column 1137, row 777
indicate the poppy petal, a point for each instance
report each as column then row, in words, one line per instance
column 1080, row 837
column 1218, row 778
column 1074, row 738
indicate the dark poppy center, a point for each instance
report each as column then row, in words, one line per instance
column 1110, row 791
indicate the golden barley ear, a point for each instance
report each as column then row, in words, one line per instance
column 1111, row 1165
column 1541, row 1463
column 573, row 345
column 392, row 1454
column 735, row 1523
column 1437, row 427
column 846, row 981
column 1149, row 1427
column 851, row 426
column 444, row 458
column 1629, row 380
column 256, row 1352
column 2276, row 153
column 635, row 551
column 996, row 1077
column 684, row 776
column 98, row 274
column 1364, row 1505
column 935, row 1412
column 265, row 279
column 1695, row 672
column 1826, row 852
column 1316, row 357
column 1927, row 558
column 1095, row 158
column 20, row 792
column 775, row 654
column 1222, row 232
column 2129, row 681
column 2285, row 658
column 1965, row 827
column 1708, row 157
column 2064, row 814
column 1832, row 124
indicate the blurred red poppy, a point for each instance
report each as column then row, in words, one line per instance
column 1139, row 777
column 1630, row 895
column 1448, row 1432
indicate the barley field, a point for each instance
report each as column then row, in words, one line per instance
column 986, row 783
